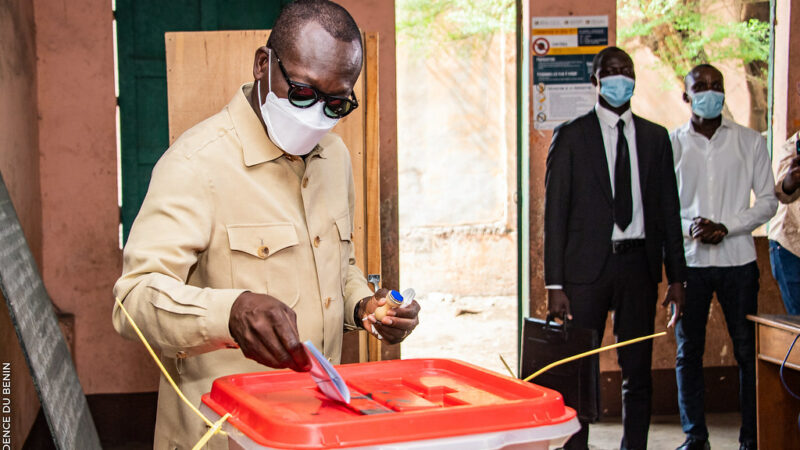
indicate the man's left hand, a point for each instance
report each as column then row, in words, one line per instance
column 398, row 323
column 676, row 296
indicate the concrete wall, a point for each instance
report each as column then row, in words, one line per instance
column 80, row 216
column 19, row 165
column 457, row 167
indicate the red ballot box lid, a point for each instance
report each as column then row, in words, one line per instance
column 392, row 401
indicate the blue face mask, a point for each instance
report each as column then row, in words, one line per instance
column 708, row 104
column 617, row 89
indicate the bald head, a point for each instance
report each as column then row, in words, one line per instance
column 704, row 77
column 288, row 33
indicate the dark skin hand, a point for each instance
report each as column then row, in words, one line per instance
column 616, row 63
column 699, row 80
column 398, row 323
column 792, row 179
column 266, row 330
column 707, row 231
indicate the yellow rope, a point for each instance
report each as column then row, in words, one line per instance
column 592, row 352
column 211, row 432
column 510, row 372
column 169, row 378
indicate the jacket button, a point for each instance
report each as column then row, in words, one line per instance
column 327, row 302
column 263, row 251
column 316, row 241
column 305, row 182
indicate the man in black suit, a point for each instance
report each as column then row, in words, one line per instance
column 612, row 216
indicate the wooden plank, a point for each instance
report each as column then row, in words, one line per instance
column 351, row 130
column 204, row 68
column 372, row 171
column 777, row 409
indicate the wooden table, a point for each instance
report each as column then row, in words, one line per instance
column 777, row 409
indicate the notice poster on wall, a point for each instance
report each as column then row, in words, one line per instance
column 562, row 52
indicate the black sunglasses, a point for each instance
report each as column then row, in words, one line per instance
column 304, row 95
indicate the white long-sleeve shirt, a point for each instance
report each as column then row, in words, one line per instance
column 715, row 179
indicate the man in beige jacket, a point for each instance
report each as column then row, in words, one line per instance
column 243, row 246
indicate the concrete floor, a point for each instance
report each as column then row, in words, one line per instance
column 666, row 434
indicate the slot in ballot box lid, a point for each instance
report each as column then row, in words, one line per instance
column 392, row 401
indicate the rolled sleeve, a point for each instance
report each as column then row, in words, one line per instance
column 786, row 156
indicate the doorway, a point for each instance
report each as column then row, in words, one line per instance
column 457, row 169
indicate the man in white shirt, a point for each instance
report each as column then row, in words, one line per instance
column 718, row 163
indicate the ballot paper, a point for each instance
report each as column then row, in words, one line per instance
column 327, row 379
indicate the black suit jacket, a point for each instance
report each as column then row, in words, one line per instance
column 578, row 209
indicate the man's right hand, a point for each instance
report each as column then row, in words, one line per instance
column 558, row 304
column 792, row 179
column 266, row 331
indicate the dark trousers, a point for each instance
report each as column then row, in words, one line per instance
column 786, row 270
column 737, row 293
column 625, row 287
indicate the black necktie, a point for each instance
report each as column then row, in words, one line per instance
column 623, row 205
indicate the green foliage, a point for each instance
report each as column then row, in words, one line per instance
column 422, row 23
column 683, row 33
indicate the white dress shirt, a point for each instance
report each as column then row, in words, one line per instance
column 608, row 126
column 715, row 177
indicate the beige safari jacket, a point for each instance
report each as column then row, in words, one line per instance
column 227, row 211
column 785, row 226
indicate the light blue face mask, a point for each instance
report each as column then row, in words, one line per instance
column 708, row 104
column 617, row 89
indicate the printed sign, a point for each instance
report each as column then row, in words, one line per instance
column 563, row 49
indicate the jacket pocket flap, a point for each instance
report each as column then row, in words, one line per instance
column 344, row 227
column 262, row 240
column 174, row 297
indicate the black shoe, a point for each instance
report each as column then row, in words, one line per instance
column 747, row 446
column 695, row 444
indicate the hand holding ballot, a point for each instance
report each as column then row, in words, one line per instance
column 266, row 331
column 395, row 323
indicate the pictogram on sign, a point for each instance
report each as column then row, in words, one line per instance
column 541, row 46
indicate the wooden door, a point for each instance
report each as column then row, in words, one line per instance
column 205, row 68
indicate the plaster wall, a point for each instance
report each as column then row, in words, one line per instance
column 19, row 165
column 80, row 216
column 786, row 108
column 457, row 160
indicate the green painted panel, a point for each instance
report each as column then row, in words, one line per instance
column 141, row 25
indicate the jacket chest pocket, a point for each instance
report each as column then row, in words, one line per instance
column 264, row 259
column 345, row 232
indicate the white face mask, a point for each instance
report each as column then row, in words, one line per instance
column 294, row 130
